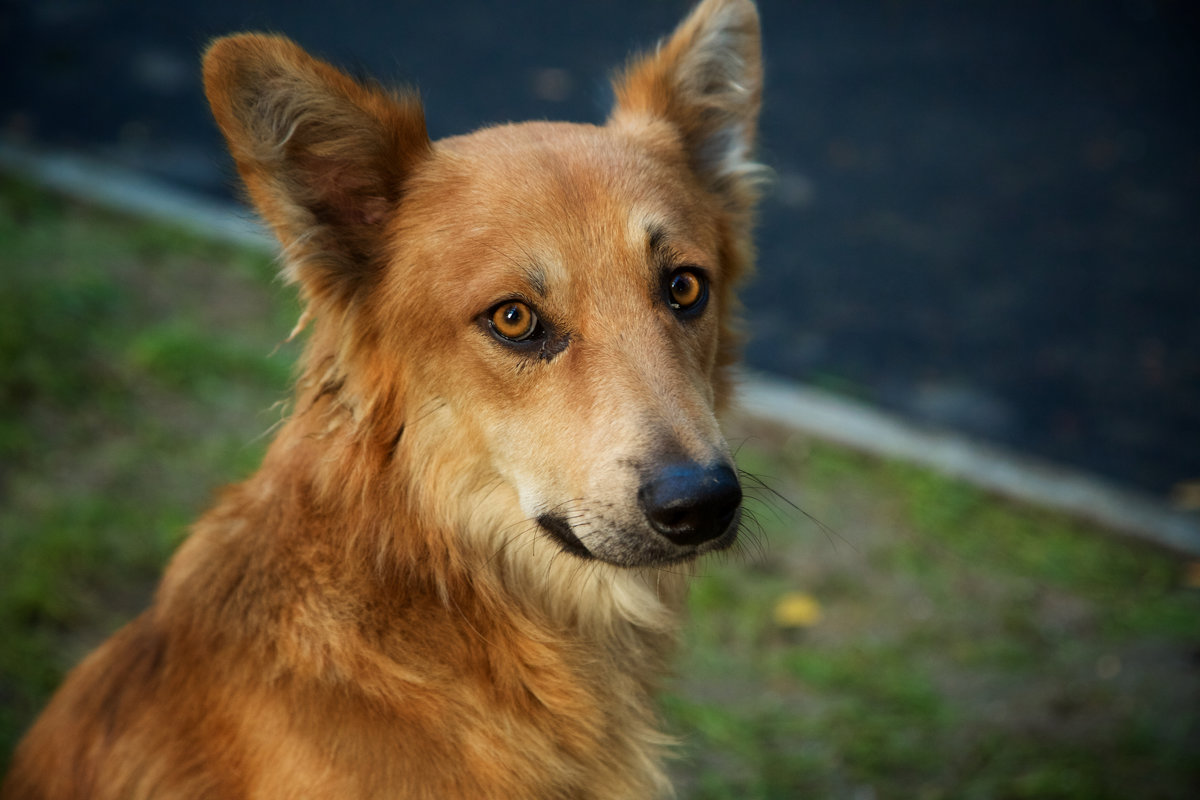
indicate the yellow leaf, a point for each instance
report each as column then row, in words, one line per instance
column 797, row 610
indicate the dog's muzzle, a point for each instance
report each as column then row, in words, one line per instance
column 684, row 509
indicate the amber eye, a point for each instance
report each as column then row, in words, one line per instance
column 687, row 289
column 514, row 321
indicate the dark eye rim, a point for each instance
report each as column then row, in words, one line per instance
column 698, row 305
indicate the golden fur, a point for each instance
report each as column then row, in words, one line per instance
column 442, row 582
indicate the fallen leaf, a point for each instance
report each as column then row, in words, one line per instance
column 797, row 610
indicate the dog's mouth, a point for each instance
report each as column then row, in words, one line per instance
column 560, row 531
column 686, row 510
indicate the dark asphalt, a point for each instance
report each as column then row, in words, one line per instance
column 986, row 214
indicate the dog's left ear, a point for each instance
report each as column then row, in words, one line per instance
column 706, row 82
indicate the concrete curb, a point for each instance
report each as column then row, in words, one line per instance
column 115, row 187
column 845, row 422
column 772, row 400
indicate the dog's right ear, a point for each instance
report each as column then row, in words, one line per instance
column 705, row 81
column 323, row 157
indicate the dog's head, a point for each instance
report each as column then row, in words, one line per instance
column 535, row 318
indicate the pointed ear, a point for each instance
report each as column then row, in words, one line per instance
column 706, row 82
column 323, row 157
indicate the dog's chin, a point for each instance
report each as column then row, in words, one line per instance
column 633, row 547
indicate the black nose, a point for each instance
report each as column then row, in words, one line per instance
column 689, row 503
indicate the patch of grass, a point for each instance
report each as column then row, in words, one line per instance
column 187, row 359
column 965, row 647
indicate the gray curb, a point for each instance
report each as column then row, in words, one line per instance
column 991, row 468
column 124, row 190
column 772, row 400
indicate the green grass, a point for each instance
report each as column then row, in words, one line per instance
column 966, row 647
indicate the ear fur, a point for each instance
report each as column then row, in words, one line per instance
column 323, row 157
column 706, row 82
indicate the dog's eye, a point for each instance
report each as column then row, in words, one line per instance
column 514, row 321
column 687, row 290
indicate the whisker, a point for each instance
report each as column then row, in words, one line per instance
column 758, row 482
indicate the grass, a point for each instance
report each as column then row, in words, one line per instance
column 950, row 645
column 966, row 648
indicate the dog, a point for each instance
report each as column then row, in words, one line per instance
column 460, row 569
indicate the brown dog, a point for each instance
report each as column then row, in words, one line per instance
column 459, row 569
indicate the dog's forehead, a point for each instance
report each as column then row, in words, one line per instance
column 546, row 153
column 548, row 199
column 575, row 179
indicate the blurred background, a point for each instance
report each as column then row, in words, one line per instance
column 985, row 218
column 985, row 215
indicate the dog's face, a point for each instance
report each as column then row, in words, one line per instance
column 537, row 314
column 572, row 321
